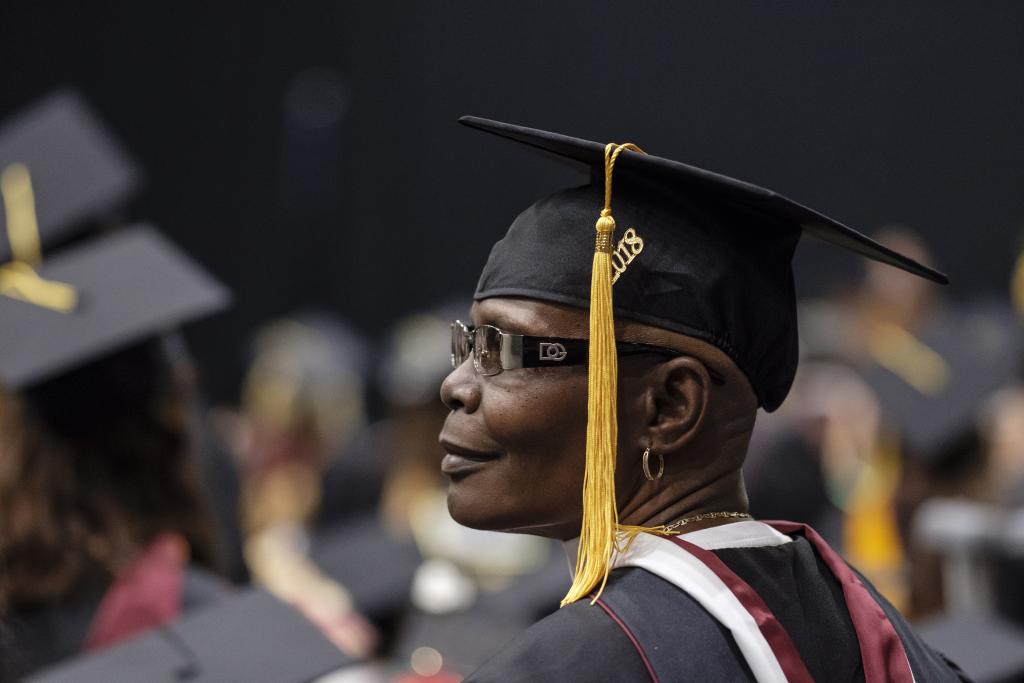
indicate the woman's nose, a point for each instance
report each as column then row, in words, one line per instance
column 461, row 388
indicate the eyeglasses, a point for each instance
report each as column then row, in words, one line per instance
column 494, row 351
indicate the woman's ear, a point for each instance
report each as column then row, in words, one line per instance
column 677, row 401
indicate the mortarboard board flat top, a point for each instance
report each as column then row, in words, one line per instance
column 79, row 172
column 679, row 174
column 698, row 253
column 130, row 284
column 253, row 638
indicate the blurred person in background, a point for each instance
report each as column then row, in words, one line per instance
column 828, row 456
column 890, row 310
column 1004, row 423
column 933, row 396
column 804, row 458
column 1002, row 420
column 409, row 375
column 951, row 408
column 104, row 530
column 103, row 527
column 302, row 406
column 885, row 414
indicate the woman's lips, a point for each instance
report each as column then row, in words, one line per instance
column 459, row 460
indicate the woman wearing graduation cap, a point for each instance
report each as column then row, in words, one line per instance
column 604, row 393
column 101, row 508
column 101, row 514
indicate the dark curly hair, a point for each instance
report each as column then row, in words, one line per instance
column 94, row 464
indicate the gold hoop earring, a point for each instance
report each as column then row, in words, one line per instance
column 647, row 465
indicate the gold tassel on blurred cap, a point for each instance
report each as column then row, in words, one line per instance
column 18, row 278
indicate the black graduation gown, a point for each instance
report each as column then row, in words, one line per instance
column 46, row 633
column 647, row 629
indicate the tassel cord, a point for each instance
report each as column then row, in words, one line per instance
column 600, row 510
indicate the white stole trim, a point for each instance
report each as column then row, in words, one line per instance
column 747, row 534
column 663, row 558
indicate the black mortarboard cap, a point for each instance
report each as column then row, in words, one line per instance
column 932, row 384
column 253, row 638
column 715, row 262
column 79, row 172
column 130, row 284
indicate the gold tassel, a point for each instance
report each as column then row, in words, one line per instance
column 20, row 209
column 600, row 512
column 18, row 278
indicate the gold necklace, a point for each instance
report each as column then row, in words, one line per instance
column 671, row 528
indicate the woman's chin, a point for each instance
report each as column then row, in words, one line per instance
column 473, row 512
column 470, row 510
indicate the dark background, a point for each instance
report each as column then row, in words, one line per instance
column 307, row 152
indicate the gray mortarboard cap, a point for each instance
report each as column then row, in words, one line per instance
column 254, row 638
column 987, row 648
column 932, row 385
column 710, row 256
column 375, row 567
column 129, row 285
column 79, row 172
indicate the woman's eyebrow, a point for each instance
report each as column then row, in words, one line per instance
column 501, row 321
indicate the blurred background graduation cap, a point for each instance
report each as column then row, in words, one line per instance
column 253, row 637
column 80, row 174
column 125, row 286
column 986, row 648
column 63, row 176
column 932, row 386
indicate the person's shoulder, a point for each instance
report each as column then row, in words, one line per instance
column 927, row 663
column 642, row 624
column 579, row 642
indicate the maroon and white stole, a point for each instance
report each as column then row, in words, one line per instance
column 688, row 563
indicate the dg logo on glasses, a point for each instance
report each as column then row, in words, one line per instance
column 552, row 351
